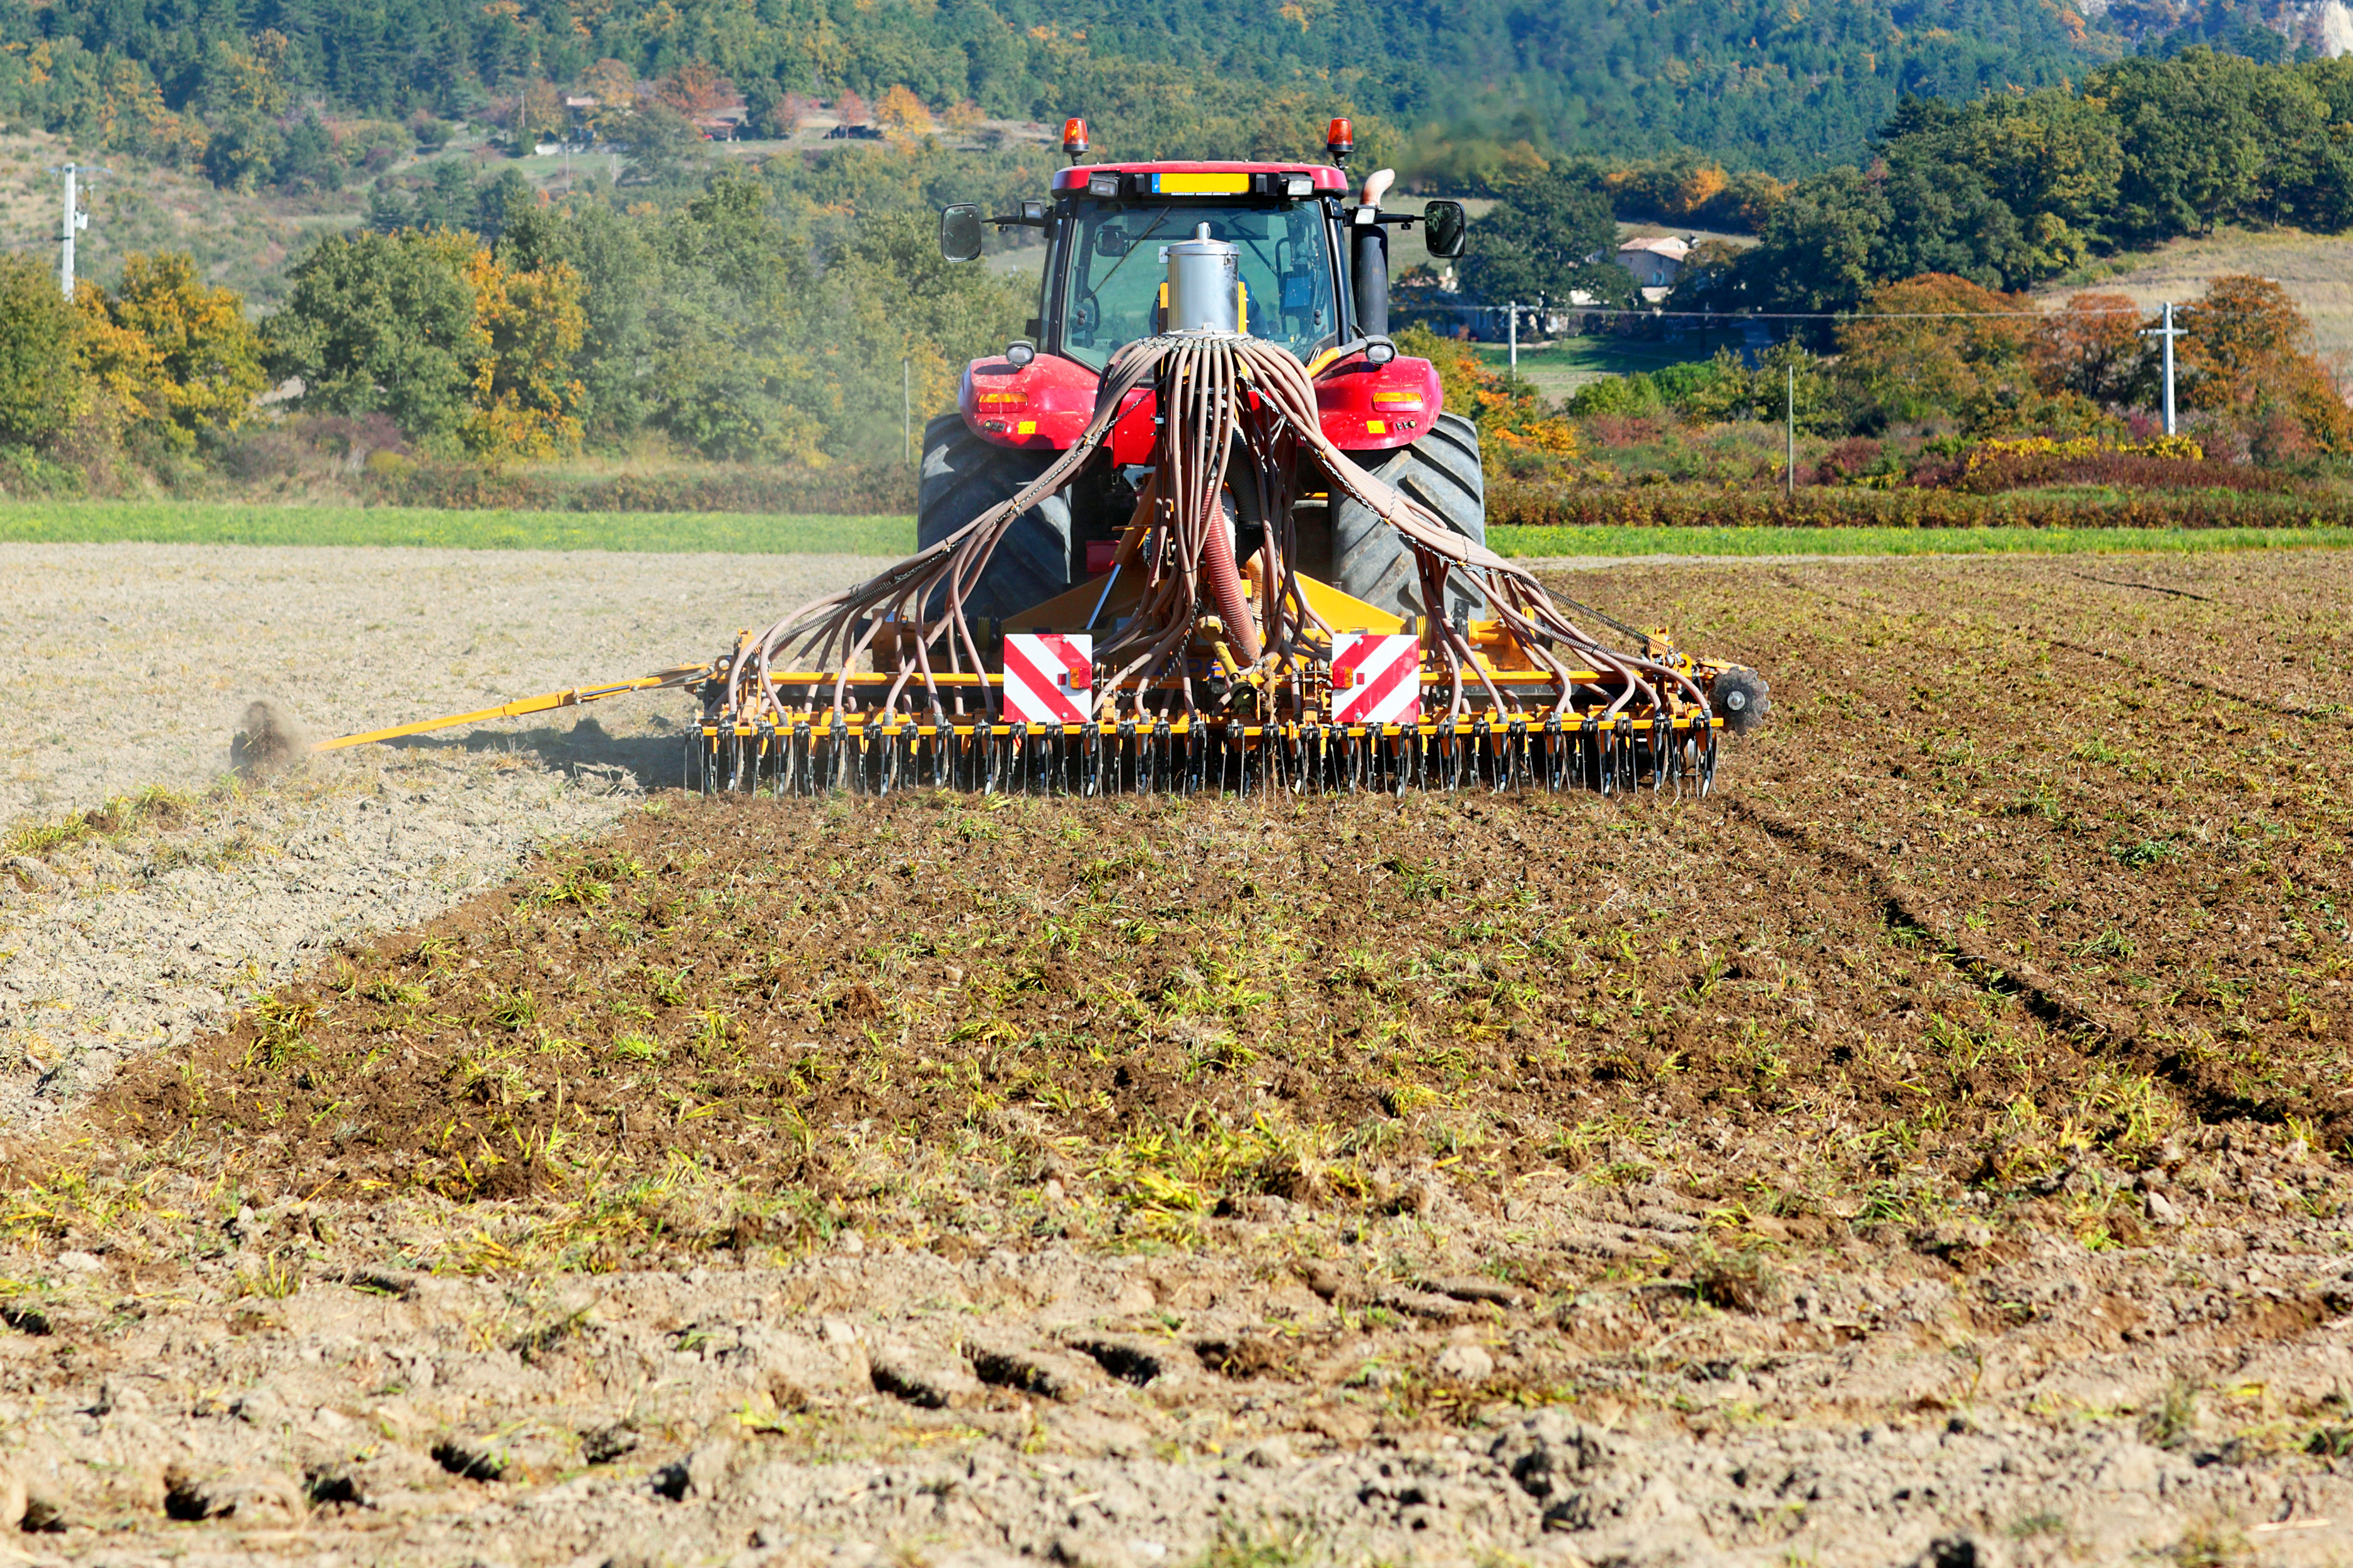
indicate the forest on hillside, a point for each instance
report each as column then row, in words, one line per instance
column 764, row 310
column 252, row 91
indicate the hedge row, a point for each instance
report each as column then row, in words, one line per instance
column 1511, row 503
column 841, row 490
column 850, row 489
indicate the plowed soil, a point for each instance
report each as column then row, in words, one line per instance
column 1933, row 1146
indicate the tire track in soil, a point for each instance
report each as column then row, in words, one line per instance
column 1603, row 1255
column 2205, row 1088
column 2207, row 1092
column 2338, row 713
column 2201, row 683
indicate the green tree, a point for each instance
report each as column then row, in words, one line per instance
column 621, row 275
column 37, row 384
column 1552, row 237
column 381, row 323
column 726, row 374
column 2195, row 138
column 307, row 161
column 1730, row 388
column 663, row 145
column 2004, row 192
column 1819, row 248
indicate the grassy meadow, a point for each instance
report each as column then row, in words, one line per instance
column 201, row 523
column 2312, row 268
column 174, row 522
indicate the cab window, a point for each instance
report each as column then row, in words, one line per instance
column 1117, row 265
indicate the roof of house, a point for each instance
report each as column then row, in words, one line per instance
column 1664, row 245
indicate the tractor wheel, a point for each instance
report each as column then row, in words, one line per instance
column 963, row 476
column 1370, row 558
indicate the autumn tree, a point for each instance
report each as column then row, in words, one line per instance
column 2092, row 346
column 1935, row 345
column 119, row 373
column 527, row 330
column 903, row 112
column 614, row 86
column 849, row 109
column 166, row 354
column 539, row 114
column 2246, row 354
column 696, row 90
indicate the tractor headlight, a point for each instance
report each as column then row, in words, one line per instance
column 1104, row 186
column 1298, row 188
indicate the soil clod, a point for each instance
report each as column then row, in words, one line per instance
column 267, row 741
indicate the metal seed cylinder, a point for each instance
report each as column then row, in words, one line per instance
column 1203, row 275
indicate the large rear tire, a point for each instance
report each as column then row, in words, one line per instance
column 1369, row 559
column 963, row 476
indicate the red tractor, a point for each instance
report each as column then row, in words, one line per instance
column 1314, row 276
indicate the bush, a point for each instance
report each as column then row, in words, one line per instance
column 1849, row 461
column 839, row 489
column 318, row 446
column 1514, row 503
column 38, row 384
column 1634, row 396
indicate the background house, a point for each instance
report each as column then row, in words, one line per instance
column 1655, row 260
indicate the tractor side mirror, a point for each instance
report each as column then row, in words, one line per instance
column 1444, row 225
column 960, row 232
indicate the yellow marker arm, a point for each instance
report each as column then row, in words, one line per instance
column 572, row 697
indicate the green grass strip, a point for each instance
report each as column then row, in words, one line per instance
column 205, row 523
column 1617, row 541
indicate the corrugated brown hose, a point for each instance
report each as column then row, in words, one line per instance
column 1217, row 391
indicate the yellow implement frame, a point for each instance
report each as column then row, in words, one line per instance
column 570, row 697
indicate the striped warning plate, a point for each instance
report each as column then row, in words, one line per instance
column 1047, row 676
column 1375, row 677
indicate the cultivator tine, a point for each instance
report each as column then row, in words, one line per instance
column 1511, row 753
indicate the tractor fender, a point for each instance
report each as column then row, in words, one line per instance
column 1042, row 407
column 1045, row 405
column 1368, row 407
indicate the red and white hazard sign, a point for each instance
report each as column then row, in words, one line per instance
column 1375, row 677
column 1047, row 676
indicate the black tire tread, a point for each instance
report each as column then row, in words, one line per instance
column 963, row 476
column 1441, row 471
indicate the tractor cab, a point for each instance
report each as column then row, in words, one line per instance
column 1310, row 272
column 1103, row 287
column 1313, row 263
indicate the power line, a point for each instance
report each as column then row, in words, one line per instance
column 1735, row 316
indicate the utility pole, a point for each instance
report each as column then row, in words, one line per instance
column 906, row 412
column 1789, row 410
column 2168, row 333
column 1515, row 309
column 75, row 219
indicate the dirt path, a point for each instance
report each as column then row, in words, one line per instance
column 1932, row 1149
column 128, row 668
column 128, row 665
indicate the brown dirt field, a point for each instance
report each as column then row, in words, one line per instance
column 1935, row 1143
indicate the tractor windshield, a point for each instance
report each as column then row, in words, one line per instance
column 1116, row 267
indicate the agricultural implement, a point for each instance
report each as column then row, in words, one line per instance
column 1205, row 528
